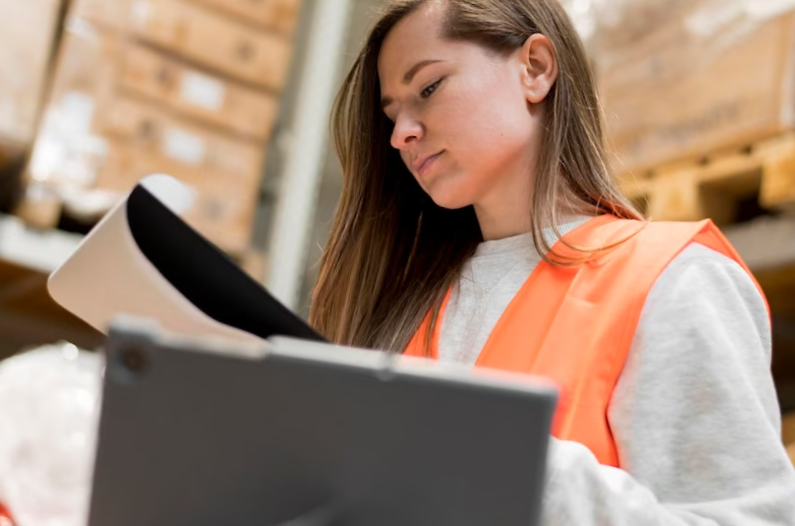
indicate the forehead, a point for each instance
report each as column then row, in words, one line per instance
column 414, row 38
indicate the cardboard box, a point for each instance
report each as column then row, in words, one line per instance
column 104, row 64
column 217, row 42
column 620, row 25
column 96, row 136
column 68, row 147
column 28, row 31
column 674, row 94
column 109, row 15
column 277, row 15
column 129, row 98
column 203, row 149
column 226, row 173
column 88, row 61
column 209, row 98
column 226, row 204
column 198, row 33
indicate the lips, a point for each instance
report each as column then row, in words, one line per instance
column 421, row 163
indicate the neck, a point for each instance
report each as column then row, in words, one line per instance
column 508, row 223
column 505, row 213
column 502, row 224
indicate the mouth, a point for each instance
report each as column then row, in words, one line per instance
column 423, row 164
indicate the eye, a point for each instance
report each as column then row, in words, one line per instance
column 427, row 92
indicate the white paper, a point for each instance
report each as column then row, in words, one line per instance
column 108, row 274
column 76, row 111
column 202, row 91
column 81, row 28
column 184, row 146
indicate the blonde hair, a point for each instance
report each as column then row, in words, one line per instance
column 393, row 253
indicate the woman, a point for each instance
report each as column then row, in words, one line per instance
column 479, row 224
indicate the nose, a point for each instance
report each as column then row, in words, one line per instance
column 407, row 130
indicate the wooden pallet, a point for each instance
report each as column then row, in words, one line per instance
column 715, row 185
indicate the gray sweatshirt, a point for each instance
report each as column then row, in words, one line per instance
column 694, row 414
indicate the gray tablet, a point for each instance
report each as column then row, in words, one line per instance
column 308, row 434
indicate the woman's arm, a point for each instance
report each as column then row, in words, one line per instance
column 694, row 415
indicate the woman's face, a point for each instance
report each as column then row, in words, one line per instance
column 465, row 123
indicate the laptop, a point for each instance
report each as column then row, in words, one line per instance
column 302, row 433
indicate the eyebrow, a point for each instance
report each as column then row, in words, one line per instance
column 409, row 76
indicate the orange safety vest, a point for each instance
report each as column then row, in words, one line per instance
column 575, row 324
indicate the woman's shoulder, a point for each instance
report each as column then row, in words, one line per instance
column 639, row 237
column 698, row 264
column 701, row 279
column 700, row 258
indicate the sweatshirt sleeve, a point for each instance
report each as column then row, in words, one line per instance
column 694, row 415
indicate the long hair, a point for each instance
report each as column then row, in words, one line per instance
column 393, row 253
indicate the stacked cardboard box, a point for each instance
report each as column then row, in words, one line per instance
column 184, row 87
column 690, row 78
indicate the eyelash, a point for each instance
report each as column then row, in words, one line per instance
column 433, row 87
column 425, row 93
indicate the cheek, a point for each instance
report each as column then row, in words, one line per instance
column 483, row 121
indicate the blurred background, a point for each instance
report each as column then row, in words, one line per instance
column 233, row 97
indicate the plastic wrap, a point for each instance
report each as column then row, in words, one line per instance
column 49, row 406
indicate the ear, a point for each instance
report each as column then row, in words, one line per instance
column 539, row 68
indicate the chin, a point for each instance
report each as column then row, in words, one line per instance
column 450, row 198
